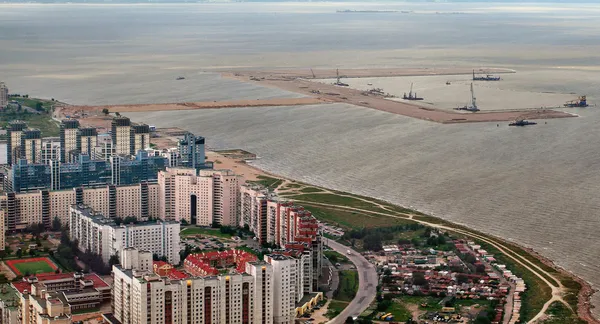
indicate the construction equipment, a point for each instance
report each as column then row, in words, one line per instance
column 488, row 77
column 313, row 73
column 581, row 102
column 338, row 77
column 473, row 105
column 410, row 95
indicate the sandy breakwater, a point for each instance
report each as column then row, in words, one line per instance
column 75, row 110
column 303, row 82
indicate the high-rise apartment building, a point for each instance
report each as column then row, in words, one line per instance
column 13, row 143
column 226, row 195
column 204, row 199
column 280, row 222
column 285, row 294
column 69, row 129
column 119, row 170
column 31, row 145
column 103, row 236
column 23, row 209
column 191, row 151
column 104, row 148
column 87, row 140
column 122, row 136
column 141, row 138
column 50, row 150
column 3, row 95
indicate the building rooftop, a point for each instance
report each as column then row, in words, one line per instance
column 8, row 295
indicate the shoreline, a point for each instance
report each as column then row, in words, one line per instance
column 249, row 172
column 584, row 294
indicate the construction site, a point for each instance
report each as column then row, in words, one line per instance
column 443, row 95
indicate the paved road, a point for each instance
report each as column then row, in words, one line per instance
column 367, row 285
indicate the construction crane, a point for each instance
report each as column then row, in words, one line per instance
column 313, row 73
column 338, row 77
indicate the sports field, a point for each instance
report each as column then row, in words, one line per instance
column 31, row 266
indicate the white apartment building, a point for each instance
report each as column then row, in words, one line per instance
column 102, row 236
column 23, row 209
column 50, row 150
column 212, row 196
column 285, row 284
column 141, row 297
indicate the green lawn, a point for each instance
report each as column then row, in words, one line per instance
column 34, row 267
column 335, row 307
column 310, row 190
column 268, row 182
column 348, row 286
column 399, row 311
column 43, row 122
column 352, row 219
column 204, row 231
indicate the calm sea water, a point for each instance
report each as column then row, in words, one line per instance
column 538, row 186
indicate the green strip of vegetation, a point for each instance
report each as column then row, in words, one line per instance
column 188, row 231
column 336, row 257
column 348, row 286
column 560, row 314
column 351, row 219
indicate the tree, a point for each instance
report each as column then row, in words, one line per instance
column 372, row 242
column 419, row 279
column 118, row 114
column 114, row 259
column 383, row 305
column 56, row 225
column 184, row 222
column 105, row 111
column 39, row 106
column 19, row 253
column 482, row 320
column 349, row 320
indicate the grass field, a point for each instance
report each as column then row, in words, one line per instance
column 352, row 219
column 31, row 266
column 335, row 307
column 34, row 267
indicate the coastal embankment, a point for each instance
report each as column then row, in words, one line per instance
column 306, row 82
column 78, row 110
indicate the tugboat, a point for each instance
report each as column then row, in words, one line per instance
column 581, row 102
column 473, row 106
column 522, row 122
column 338, row 82
column 180, row 78
column 410, row 95
column 488, row 77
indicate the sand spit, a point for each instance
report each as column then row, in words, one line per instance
column 299, row 81
column 195, row 105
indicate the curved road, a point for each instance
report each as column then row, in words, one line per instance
column 367, row 283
